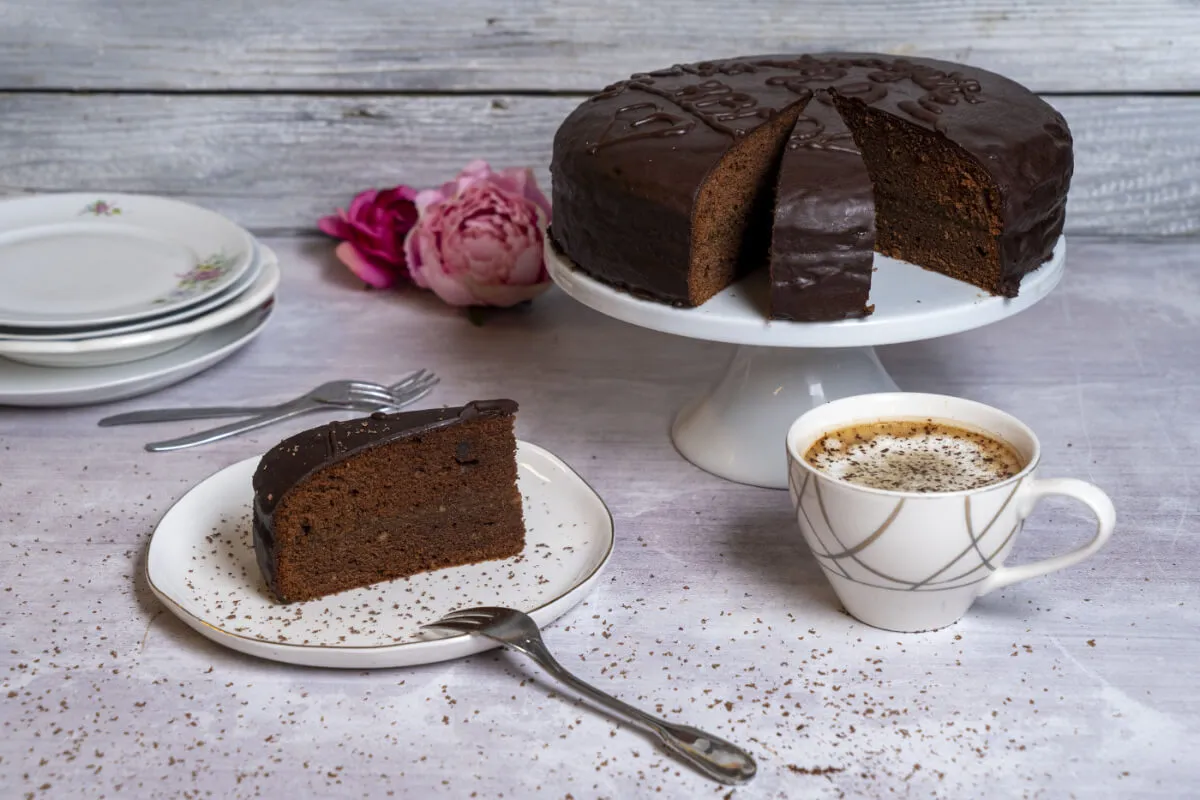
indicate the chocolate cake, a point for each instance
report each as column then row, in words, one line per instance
column 675, row 183
column 352, row 503
column 824, row 233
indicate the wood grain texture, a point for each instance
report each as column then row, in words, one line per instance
column 572, row 44
column 279, row 162
column 1075, row 684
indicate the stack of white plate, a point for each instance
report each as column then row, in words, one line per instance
column 109, row 296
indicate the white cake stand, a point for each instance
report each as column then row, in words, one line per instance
column 782, row 369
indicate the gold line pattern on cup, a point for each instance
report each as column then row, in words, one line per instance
column 1016, row 527
column 908, row 589
column 971, row 533
column 829, row 560
column 985, row 561
column 1000, row 510
column 957, row 577
column 871, row 539
column 800, row 502
column 971, row 546
column 954, row 579
column 934, row 587
column 855, row 558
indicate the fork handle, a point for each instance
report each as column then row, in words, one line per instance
column 278, row 414
column 718, row 759
column 181, row 414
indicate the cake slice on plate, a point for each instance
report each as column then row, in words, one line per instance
column 353, row 503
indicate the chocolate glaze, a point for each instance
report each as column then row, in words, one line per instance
column 824, row 236
column 629, row 162
column 288, row 463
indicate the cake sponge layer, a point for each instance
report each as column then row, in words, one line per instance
column 435, row 494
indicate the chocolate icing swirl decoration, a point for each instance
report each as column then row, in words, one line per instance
column 941, row 88
column 704, row 69
column 810, row 134
column 796, row 84
column 866, row 91
column 711, row 102
column 806, row 69
column 717, row 104
column 653, row 123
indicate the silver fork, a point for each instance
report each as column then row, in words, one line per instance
column 334, row 393
column 715, row 757
column 393, row 400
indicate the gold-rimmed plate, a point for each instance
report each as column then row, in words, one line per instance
column 82, row 260
column 201, row 564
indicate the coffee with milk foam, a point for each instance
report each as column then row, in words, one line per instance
column 913, row 456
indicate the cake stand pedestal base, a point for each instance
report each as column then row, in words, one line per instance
column 782, row 369
column 736, row 431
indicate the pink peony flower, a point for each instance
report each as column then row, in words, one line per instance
column 373, row 232
column 478, row 239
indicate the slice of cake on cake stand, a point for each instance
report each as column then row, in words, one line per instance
column 781, row 369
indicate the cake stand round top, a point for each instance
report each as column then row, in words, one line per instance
column 911, row 304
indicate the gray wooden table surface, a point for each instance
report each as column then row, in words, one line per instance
column 1079, row 684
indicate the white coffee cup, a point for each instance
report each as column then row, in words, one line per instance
column 911, row 561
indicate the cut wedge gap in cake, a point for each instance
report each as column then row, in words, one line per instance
column 731, row 220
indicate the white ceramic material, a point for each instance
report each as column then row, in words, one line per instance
column 907, row 561
column 911, row 304
column 26, row 385
column 202, row 565
column 185, row 314
column 127, row 347
column 734, row 430
column 784, row 368
column 80, row 260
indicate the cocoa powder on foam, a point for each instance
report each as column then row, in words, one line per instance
column 924, row 455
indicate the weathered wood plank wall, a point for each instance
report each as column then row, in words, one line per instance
column 572, row 45
column 277, row 162
column 276, row 112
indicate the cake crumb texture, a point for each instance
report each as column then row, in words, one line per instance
column 441, row 495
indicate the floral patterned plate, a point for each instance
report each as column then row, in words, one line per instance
column 40, row 387
column 185, row 314
column 80, row 261
column 127, row 347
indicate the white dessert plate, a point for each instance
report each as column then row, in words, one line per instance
column 201, row 564
column 127, row 347
column 911, row 304
column 26, row 385
column 79, row 260
column 185, row 314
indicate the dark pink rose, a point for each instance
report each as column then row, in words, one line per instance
column 478, row 239
column 372, row 233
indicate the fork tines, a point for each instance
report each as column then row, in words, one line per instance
column 467, row 619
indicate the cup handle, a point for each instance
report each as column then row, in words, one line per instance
column 1091, row 496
